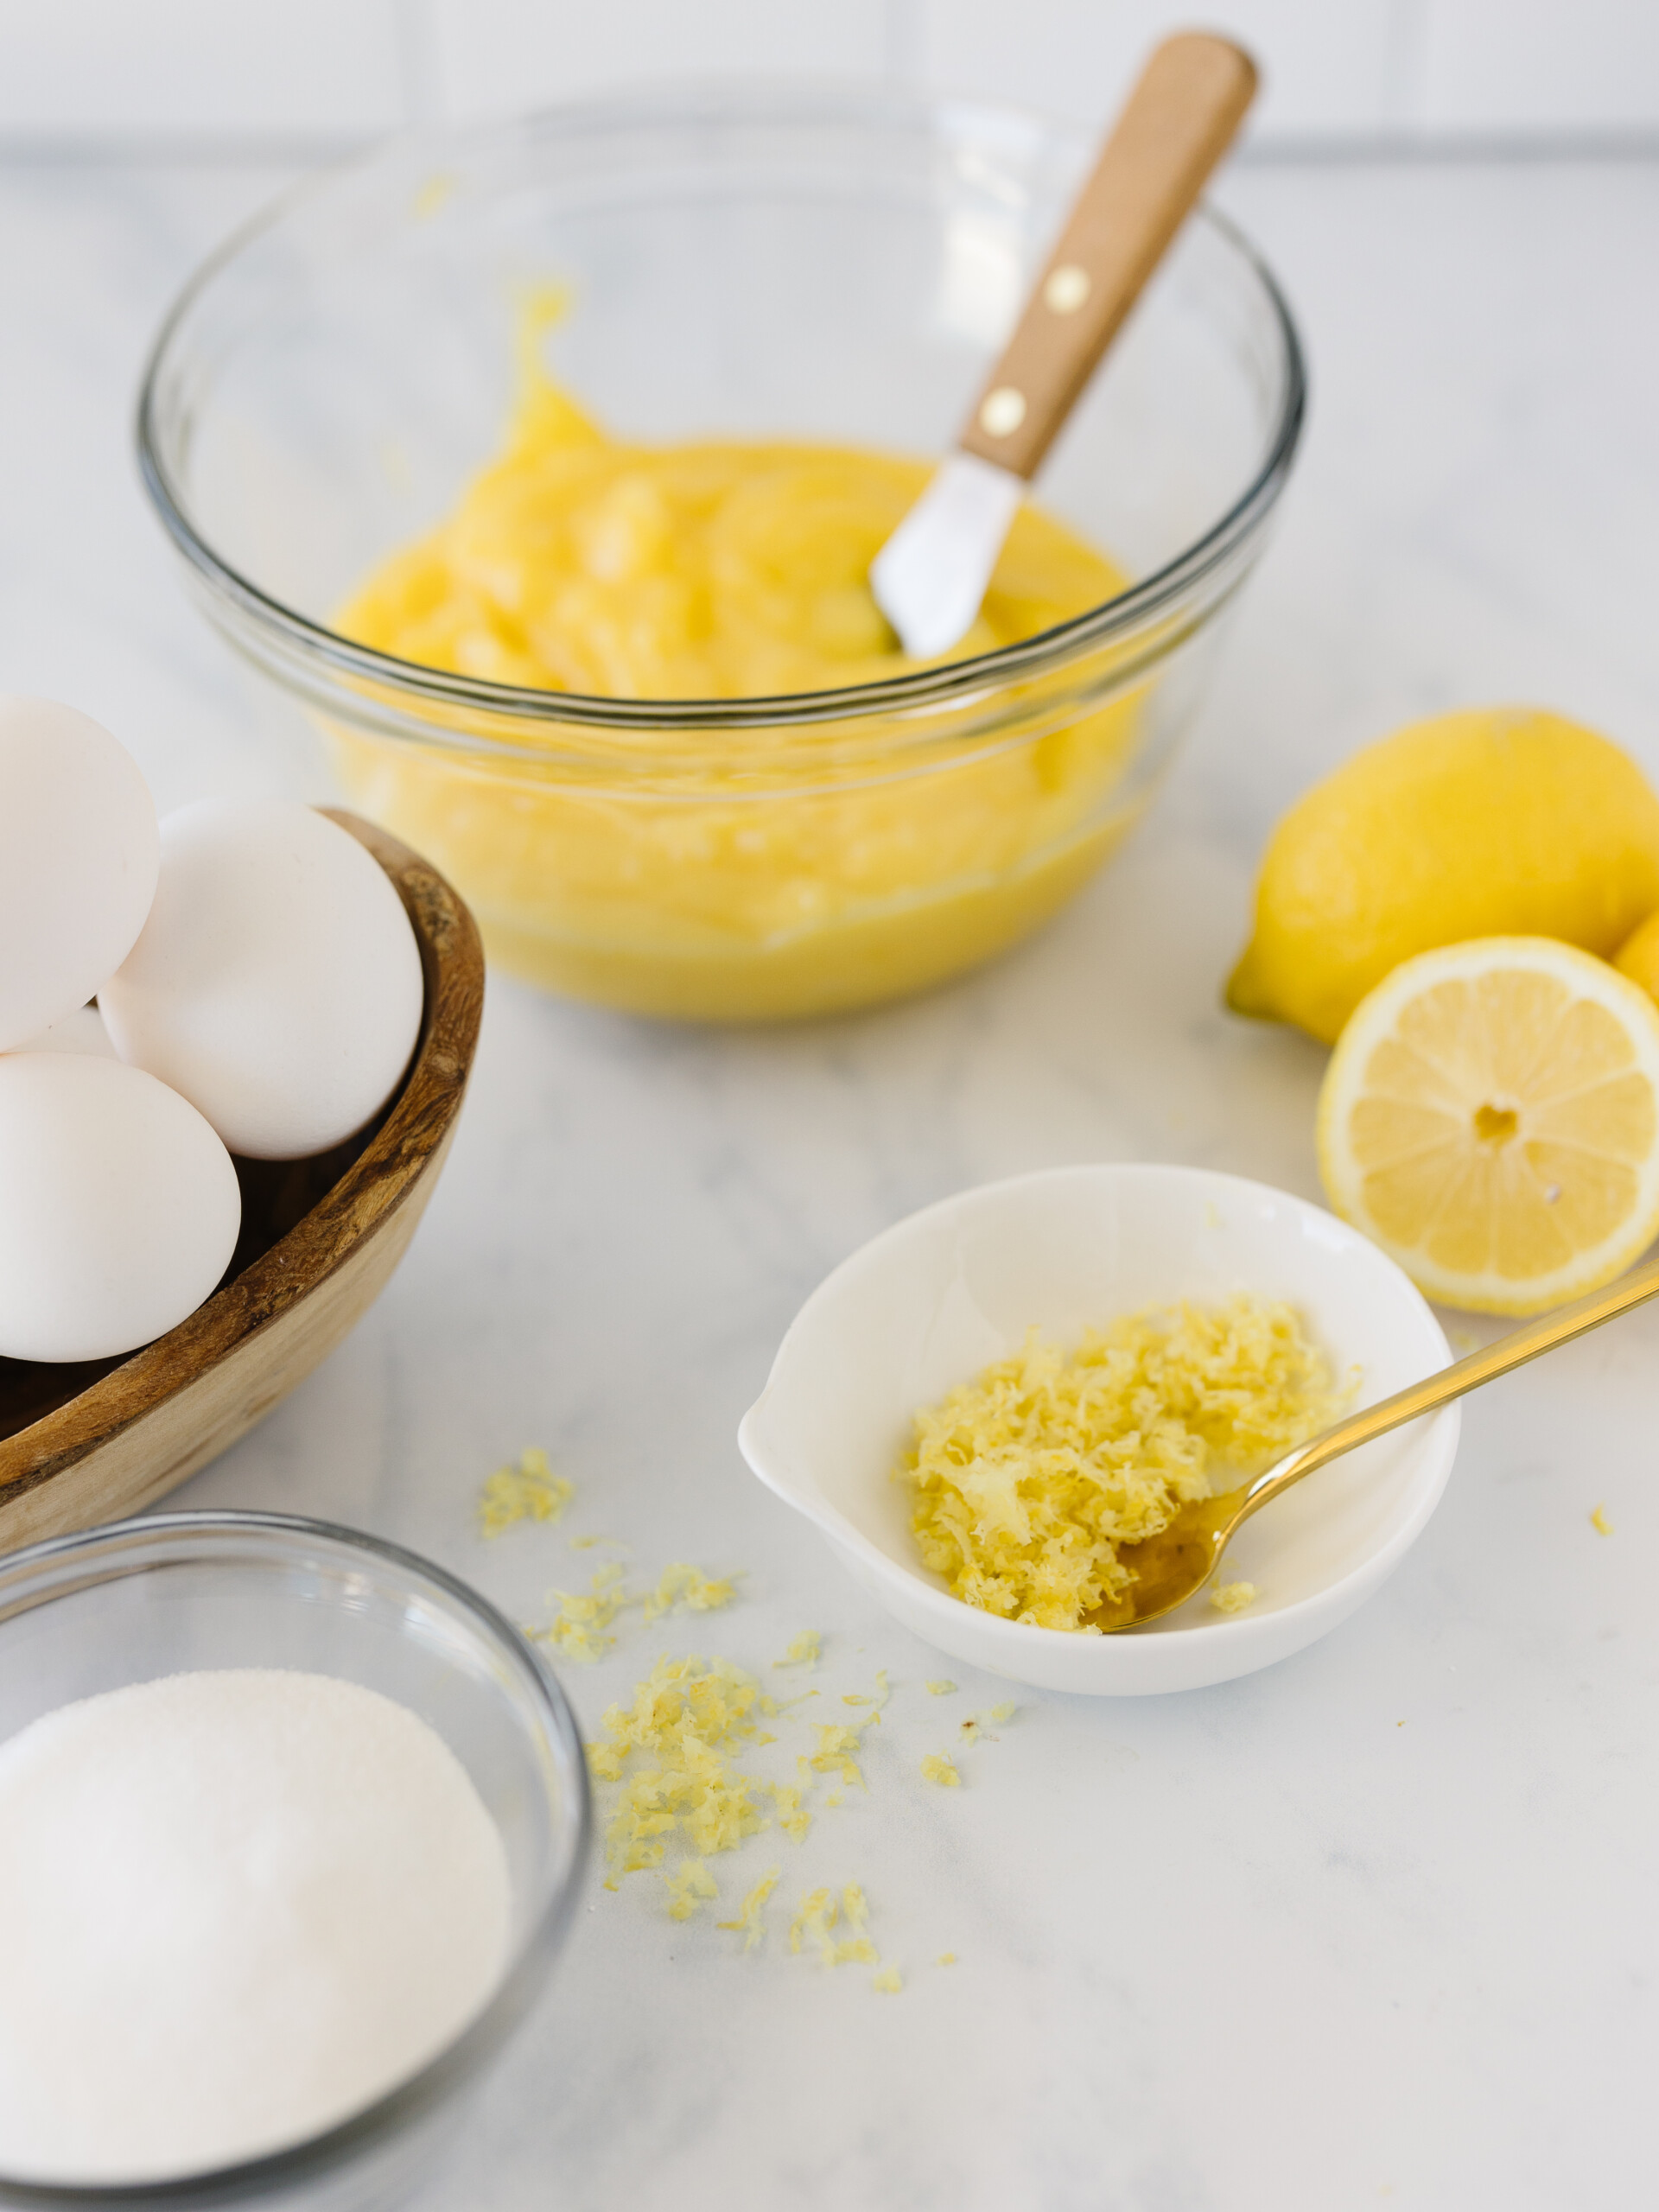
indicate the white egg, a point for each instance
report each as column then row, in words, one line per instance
column 78, row 860
column 276, row 983
column 118, row 1207
column 83, row 1031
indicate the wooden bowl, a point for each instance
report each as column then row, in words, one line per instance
column 88, row 1442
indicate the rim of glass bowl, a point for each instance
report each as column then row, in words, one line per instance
column 53, row 1564
column 790, row 100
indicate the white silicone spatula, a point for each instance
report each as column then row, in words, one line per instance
column 931, row 576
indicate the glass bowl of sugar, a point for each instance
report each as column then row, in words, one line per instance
column 292, row 1823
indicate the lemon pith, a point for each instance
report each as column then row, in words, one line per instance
column 1491, row 1116
column 1492, row 822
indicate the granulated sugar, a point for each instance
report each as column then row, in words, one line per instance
column 234, row 1908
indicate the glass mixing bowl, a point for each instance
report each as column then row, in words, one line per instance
column 180, row 1591
column 753, row 264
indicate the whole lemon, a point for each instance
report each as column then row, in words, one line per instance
column 1638, row 957
column 1495, row 822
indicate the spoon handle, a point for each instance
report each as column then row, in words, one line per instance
column 1438, row 1389
column 1178, row 122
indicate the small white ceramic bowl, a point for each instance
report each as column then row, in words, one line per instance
column 939, row 1296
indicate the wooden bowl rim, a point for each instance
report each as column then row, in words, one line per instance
column 352, row 1209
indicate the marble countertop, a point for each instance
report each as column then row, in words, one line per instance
column 1373, row 1926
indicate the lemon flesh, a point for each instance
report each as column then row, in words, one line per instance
column 1490, row 1118
column 1495, row 822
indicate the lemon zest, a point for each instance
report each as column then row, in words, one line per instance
column 579, row 1627
column 690, row 1887
column 529, row 1491
column 836, row 1745
column 1026, row 1481
column 748, row 1922
column 792, row 1815
column 817, row 1915
column 670, row 1752
column 687, row 1585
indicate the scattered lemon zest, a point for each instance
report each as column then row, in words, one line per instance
column 817, row 1915
column 1004, row 1712
column 947, row 1959
column 937, row 1767
column 940, row 1690
column 579, row 1628
column 690, row 1887
column 1233, row 1597
column 820, row 1913
column 835, row 1797
column 792, row 1815
column 805, row 1651
column 670, row 1753
column 836, row 1745
column 1026, row 1481
column 687, row 1585
column 852, row 1697
column 889, row 1981
column 529, row 1491
column 748, row 1922
column 685, row 1719
column 1600, row 1522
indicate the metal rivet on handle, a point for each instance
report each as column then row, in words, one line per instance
column 1002, row 411
column 1066, row 289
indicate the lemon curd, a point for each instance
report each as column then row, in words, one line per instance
column 771, row 867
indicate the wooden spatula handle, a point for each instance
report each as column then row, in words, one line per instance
column 1179, row 120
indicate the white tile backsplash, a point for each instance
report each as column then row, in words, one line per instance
column 125, row 69
column 1335, row 71
column 1325, row 69
column 493, row 55
column 1514, row 66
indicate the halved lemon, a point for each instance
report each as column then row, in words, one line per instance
column 1490, row 1118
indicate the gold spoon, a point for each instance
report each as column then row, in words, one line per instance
column 1170, row 1567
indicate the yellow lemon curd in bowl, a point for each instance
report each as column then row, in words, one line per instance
column 766, row 866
